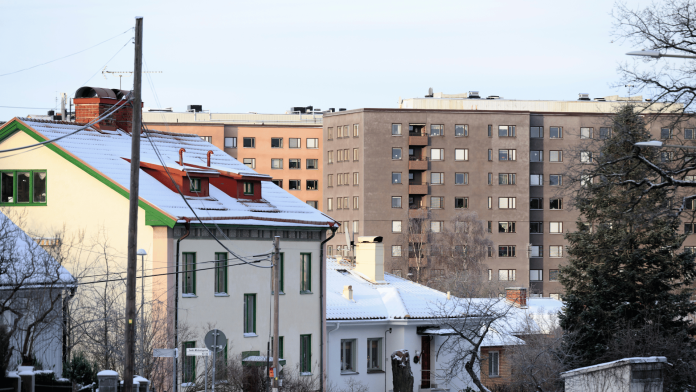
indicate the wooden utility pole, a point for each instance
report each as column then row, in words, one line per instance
column 133, row 210
column 276, row 302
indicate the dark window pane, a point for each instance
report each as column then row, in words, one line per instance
column 23, row 179
column 8, row 187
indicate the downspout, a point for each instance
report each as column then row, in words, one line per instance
column 187, row 225
column 385, row 358
column 322, row 306
column 66, row 335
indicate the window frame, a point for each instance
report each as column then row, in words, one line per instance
column 400, row 153
column 252, row 142
column 247, row 310
column 295, row 139
column 316, row 185
column 395, row 247
column 252, row 163
column 305, row 273
column 434, row 127
column 509, row 131
column 233, row 143
column 299, row 185
column 509, row 153
column 353, row 360
column 400, row 228
column 464, row 128
column 277, row 160
column 315, row 141
column 189, row 365
column 465, row 178
column 394, row 198
column 440, row 202
column 379, row 355
column 559, row 135
column 397, row 128
column 559, row 156
column 312, row 160
column 187, row 271
column 553, row 275
column 30, row 191
column 493, row 366
column 465, row 154
column 465, row 202
column 280, row 142
column 441, row 152
column 586, row 133
column 248, row 188
column 220, row 269
column 540, row 134
column 305, row 354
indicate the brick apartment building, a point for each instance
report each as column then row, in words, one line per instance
column 287, row 147
column 503, row 159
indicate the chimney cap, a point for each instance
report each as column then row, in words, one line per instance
column 364, row 239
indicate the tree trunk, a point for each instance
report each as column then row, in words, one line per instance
column 401, row 371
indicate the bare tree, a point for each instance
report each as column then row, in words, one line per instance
column 415, row 243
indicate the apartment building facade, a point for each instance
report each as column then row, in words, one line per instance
column 506, row 163
column 285, row 146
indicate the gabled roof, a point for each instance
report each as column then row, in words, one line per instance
column 103, row 155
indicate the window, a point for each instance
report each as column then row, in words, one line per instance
column 437, row 130
column 536, row 156
column 189, row 273
column 347, row 355
column 536, row 132
column 374, row 354
column 585, row 157
column 461, row 202
column 536, row 179
column 295, row 185
column 295, row 142
column 689, row 228
column 604, row 133
column 249, row 142
column 356, row 226
column 557, row 297
column 396, row 178
column 356, row 130
column 490, row 202
column 493, row 362
column 536, row 275
column 586, row 133
column 396, row 226
column 329, row 204
column 490, row 130
column 313, row 203
column 436, row 226
column 536, row 227
column 490, row 178
column 356, row 178
column 339, row 204
column 507, row 274
column 249, row 314
column 437, row 178
column 312, row 185
column 666, row 156
column 396, row 250
column 555, row 251
column 276, row 163
column 537, row 251
column 230, row 142
column 437, row 154
column 689, row 134
column 194, row 184
column 329, row 180
column 535, row 203
column 248, row 188
column 276, row 142
column 356, row 155
column 490, row 226
column 555, row 132
column 461, row 130
column 556, row 227
column 330, row 157
column 356, row 203
column 506, row 227
column 506, row 202
column 665, row 133
column 556, row 156
column 553, row 275
column 279, row 183
column 461, row 154
column 306, row 272
column 506, row 131
column 396, row 202
column 221, row 272
column 305, row 353
column 507, row 155
column 690, row 249
column 329, row 133
column 396, row 153
column 436, row 202
column 555, row 180
column 461, row 178
column 556, row 204
column 189, row 364
column 312, row 143
column 506, row 251
column 312, row 164
column 490, row 154
column 585, row 180
column 507, row 178
column 295, row 163
column 250, row 162
column 396, row 129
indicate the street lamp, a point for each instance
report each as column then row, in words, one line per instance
column 142, row 254
column 655, row 54
column 657, row 143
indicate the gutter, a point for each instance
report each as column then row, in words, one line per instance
column 322, row 306
column 66, row 320
column 187, row 225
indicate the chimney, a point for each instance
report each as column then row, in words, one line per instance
column 516, row 295
column 348, row 292
column 92, row 102
column 369, row 258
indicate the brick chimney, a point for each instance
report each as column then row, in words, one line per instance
column 517, row 296
column 369, row 258
column 93, row 102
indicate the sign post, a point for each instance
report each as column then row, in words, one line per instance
column 200, row 352
column 168, row 353
column 214, row 341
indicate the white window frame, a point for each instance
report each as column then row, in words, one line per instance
column 353, row 352
column 536, row 180
column 396, row 226
column 461, row 154
column 437, row 154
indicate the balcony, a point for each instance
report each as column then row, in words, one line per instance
column 417, row 139
column 417, row 212
column 418, row 189
column 415, row 163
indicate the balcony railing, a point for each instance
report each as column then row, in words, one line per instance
column 417, row 163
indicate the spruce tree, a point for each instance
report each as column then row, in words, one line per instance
column 625, row 266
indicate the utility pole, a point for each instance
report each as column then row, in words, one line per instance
column 276, row 301
column 133, row 210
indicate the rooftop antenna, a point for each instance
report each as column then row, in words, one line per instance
column 122, row 73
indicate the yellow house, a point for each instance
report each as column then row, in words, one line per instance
column 198, row 206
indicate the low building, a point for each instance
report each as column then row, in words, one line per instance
column 624, row 375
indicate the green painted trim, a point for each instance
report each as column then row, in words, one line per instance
column 193, row 270
column 278, row 228
column 306, row 366
column 153, row 217
column 15, row 185
column 305, row 281
column 192, row 360
column 221, row 256
column 253, row 298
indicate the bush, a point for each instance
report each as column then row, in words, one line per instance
column 79, row 370
column 5, row 350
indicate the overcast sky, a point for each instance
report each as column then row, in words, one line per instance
column 266, row 56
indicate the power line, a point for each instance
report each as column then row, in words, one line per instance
column 107, row 62
column 22, row 107
column 48, row 62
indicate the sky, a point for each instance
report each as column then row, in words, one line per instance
column 266, row 56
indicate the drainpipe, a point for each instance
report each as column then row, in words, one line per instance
column 187, row 225
column 322, row 314
column 66, row 327
column 385, row 358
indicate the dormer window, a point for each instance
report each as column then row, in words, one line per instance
column 248, row 188
column 195, row 185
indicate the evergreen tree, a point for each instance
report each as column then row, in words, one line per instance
column 625, row 267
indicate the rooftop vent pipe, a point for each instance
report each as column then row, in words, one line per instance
column 348, row 292
column 210, row 152
column 181, row 156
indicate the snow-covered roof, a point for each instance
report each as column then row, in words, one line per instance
column 396, row 298
column 539, row 316
column 612, row 364
column 28, row 264
column 104, row 152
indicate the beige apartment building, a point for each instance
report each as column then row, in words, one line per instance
column 503, row 159
column 287, row 147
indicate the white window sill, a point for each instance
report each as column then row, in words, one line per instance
column 222, row 295
column 343, row 373
column 306, row 374
column 250, row 335
column 186, row 295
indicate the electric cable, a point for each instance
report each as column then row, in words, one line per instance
column 108, row 61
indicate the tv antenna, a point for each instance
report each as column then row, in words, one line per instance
column 120, row 74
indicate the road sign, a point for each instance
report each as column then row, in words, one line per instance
column 197, row 352
column 219, row 343
column 164, row 353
